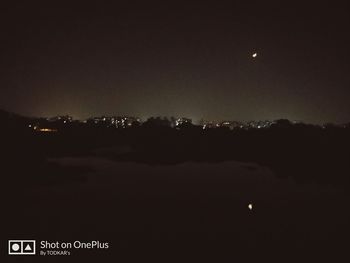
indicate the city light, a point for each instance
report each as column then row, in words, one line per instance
column 47, row 130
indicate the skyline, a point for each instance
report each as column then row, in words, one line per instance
column 212, row 123
column 169, row 59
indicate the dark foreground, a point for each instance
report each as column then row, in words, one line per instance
column 159, row 195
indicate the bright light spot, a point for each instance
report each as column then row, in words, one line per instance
column 250, row 206
column 255, row 55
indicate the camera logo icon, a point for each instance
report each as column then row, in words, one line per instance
column 21, row 247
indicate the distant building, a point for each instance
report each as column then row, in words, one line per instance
column 114, row 122
column 230, row 124
column 224, row 124
column 259, row 124
column 61, row 119
column 182, row 121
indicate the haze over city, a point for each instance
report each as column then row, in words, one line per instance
column 177, row 59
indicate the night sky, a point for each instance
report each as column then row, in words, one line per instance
column 174, row 58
